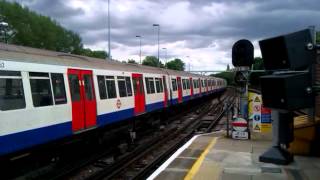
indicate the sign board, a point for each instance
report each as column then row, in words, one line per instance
column 240, row 129
column 260, row 116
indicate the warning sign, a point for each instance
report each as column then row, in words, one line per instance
column 257, row 108
column 257, row 128
column 260, row 116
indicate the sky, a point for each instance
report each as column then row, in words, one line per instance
column 200, row 32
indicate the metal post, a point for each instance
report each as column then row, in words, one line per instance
column 311, row 111
column 159, row 46
column 109, row 43
column 140, row 46
column 165, row 57
column 158, row 25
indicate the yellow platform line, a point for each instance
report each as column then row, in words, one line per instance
column 196, row 166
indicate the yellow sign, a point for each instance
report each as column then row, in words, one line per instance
column 265, row 127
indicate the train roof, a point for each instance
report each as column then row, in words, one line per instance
column 33, row 55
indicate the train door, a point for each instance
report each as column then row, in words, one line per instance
column 179, row 89
column 165, row 89
column 191, row 87
column 139, row 97
column 84, row 105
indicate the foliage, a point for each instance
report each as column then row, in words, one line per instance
column 228, row 76
column 34, row 30
column 258, row 63
column 151, row 61
column 96, row 54
column 228, row 67
column 318, row 37
column 132, row 61
column 176, row 64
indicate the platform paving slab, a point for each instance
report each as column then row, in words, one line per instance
column 230, row 159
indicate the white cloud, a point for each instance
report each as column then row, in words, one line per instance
column 204, row 30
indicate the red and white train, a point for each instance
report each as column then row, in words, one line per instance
column 46, row 96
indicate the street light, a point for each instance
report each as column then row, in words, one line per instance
column 165, row 56
column 188, row 62
column 158, row 25
column 140, row 46
column 109, row 49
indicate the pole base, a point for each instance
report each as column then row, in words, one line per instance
column 276, row 155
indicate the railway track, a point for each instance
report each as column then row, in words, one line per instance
column 146, row 157
column 148, row 152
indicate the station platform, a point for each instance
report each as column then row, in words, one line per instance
column 215, row 157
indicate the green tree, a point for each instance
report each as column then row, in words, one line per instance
column 132, row 61
column 228, row 76
column 34, row 30
column 176, row 64
column 150, row 61
column 318, row 37
column 258, row 63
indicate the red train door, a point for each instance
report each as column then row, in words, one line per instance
column 84, row 105
column 191, row 86
column 165, row 90
column 179, row 89
column 139, row 98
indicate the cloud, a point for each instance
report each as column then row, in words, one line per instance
column 204, row 30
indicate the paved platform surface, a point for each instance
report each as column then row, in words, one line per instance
column 215, row 157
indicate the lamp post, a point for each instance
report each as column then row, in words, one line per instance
column 109, row 49
column 138, row 36
column 165, row 57
column 188, row 63
column 158, row 25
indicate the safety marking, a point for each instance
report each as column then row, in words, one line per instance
column 171, row 159
column 196, row 166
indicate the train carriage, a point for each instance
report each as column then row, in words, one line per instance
column 45, row 95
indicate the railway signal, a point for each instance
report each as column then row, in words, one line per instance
column 290, row 57
column 242, row 59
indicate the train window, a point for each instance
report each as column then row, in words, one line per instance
column 128, row 86
column 11, row 91
column 74, row 87
column 40, row 89
column 188, row 83
column 122, row 86
column 58, row 87
column 88, row 87
column 194, row 84
column 174, row 84
column 102, row 87
column 205, row 83
column 184, row 84
column 202, row 82
column 150, row 85
column 111, row 87
column 159, row 85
